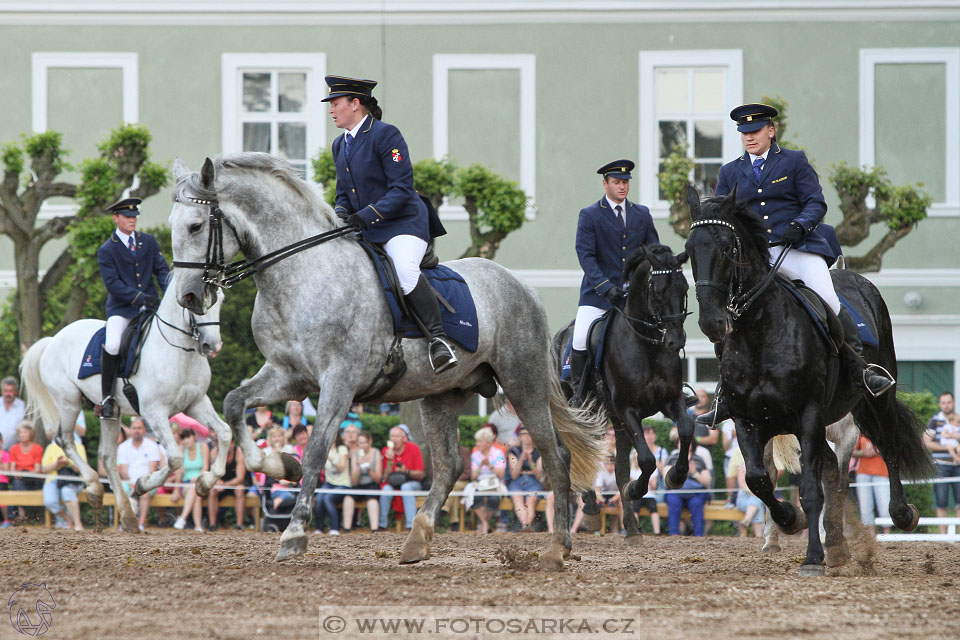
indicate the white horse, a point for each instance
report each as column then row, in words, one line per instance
column 172, row 377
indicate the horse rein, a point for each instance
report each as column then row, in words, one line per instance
column 193, row 334
column 658, row 320
column 739, row 302
column 219, row 274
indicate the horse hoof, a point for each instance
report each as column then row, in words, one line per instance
column 812, row 571
column 414, row 552
column 129, row 524
column 771, row 548
column 838, row 555
column 291, row 468
column 591, row 522
column 633, row 539
column 95, row 501
column 552, row 558
column 799, row 523
column 292, row 547
column 910, row 524
column 632, row 490
column 204, row 483
column 671, row 482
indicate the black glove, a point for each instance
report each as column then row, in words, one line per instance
column 614, row 294
column 343, row 215
column 356, row 221
column 150, row 302
column 792, row 234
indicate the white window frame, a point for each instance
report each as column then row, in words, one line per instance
column 43, row 61
column 950, row 58
column 650, row 61
column 526, row 64
column 313, row 64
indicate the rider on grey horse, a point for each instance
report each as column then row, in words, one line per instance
column 375, row 195
column 128, row 261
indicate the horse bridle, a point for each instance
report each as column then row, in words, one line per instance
column 737, row 301
column 215, row 270
column 659, row 320
column 193, row 334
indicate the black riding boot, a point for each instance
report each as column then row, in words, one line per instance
column 108, row 375
column 423, row 303
column 719, row 413
column 578, row 365
column 869, row 376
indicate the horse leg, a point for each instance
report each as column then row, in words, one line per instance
column 677, row 474
column 157, row 418
column 332, row 406
column 268, row 386
column 636, row 489
column 812, row 455
column 109, row 432
column 760, row 482
column 771, row 533
column 203, row 412
column 896, row 421
column 89, row 475
column 844, row 434
column 438, row 415
column 837, row 553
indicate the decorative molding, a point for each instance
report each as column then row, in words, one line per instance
column 231, row 92
column 729, row 59
column 950, row 58
column 526, row 64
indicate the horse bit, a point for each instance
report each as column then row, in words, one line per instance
column 659, row 320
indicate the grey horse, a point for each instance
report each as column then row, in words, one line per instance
column 323, row 325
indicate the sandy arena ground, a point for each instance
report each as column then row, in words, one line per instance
column 175, row 585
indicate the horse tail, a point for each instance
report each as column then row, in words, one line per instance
column 905, row 439
column 786, row 452
column 40, row 403
column 581, row 431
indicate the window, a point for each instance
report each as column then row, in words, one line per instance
column 271, row 103
column 685, row 101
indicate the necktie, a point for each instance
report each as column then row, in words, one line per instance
column 130, row 243
column 757, row 165
column 619, row 211
column 349, row 141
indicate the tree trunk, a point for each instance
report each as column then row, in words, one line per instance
column 872, row 260
column 30, row 306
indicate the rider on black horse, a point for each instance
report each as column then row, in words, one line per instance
column 781, row 187
column 128, row 261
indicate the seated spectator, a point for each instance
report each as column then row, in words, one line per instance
column 729, row 439
column 451, row 506
column 366, row 469
column 280, row 498
column 608, row 494
column 300, row 437
column 698, row 478
column 403, row 470
column 232, row 479
column 261, row 420
column 196, row 460
column 326, row 506
column 873, row 480
column 136, row 457
column 649, row 499
column 61, row 486
column 526, row 471
column 294, row 415
column 174, row 478
column 507, row 424
column 350, row 433
column 753, row 508
column 5, row 465
column 487, row 466
column 25, row 457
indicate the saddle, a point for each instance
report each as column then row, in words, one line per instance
column 131, row 344
column 596, row 335
column 826, row 321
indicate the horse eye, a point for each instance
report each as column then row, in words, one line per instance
column 195, row 227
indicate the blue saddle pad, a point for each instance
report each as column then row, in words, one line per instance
column 866, row 335
column 565, row 371
column 90, row 366
column 460, row 325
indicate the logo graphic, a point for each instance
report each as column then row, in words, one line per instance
column 30, row 608
column 396, row 155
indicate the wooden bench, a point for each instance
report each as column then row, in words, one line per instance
column 35, row 499
column 713, row 510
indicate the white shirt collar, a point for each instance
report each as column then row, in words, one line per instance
column 613, row 204
column 124, row 238
column 353, row 132
column 753, row 158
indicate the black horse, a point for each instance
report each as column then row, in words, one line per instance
column 641, row 371
column 780, row 376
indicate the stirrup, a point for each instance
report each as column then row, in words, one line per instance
column 879, row 371
column 690, row 398
column 107, row 407
column 449, row 364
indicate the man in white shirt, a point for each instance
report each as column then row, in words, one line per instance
column 11, row 411
column 138, row 456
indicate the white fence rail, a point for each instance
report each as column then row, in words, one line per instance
column 950, row 536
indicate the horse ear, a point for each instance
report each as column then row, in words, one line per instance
column 682, row 257
column 207, row 175
column 693, row 201
column 729, row 203
column 179, row 169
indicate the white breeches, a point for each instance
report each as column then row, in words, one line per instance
column 115, row 327
column 581, row 326
column 407, row 254
column 812, row 269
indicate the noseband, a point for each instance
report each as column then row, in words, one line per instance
column 659, row 319
column 215, row 270
column 737, row 301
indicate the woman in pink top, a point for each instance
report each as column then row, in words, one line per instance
column 4, row 480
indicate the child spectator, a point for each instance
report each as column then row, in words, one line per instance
column 608, row 494
column 526, row 470
column 753, row 508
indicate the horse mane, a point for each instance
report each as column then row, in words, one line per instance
column 748, row 224
column 659, row 255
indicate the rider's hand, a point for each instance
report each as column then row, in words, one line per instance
column 792, row 234
column 343, row 215
column 150, row 302
column 356, row 221
column 613, row 294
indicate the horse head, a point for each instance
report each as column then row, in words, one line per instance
column 658, row 289
column 204, row 328
column 207, row 328
column 728, row 249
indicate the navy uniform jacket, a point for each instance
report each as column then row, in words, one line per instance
column 603, row 247
column 377, row 182
column 128, row 277
column 788, row 191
